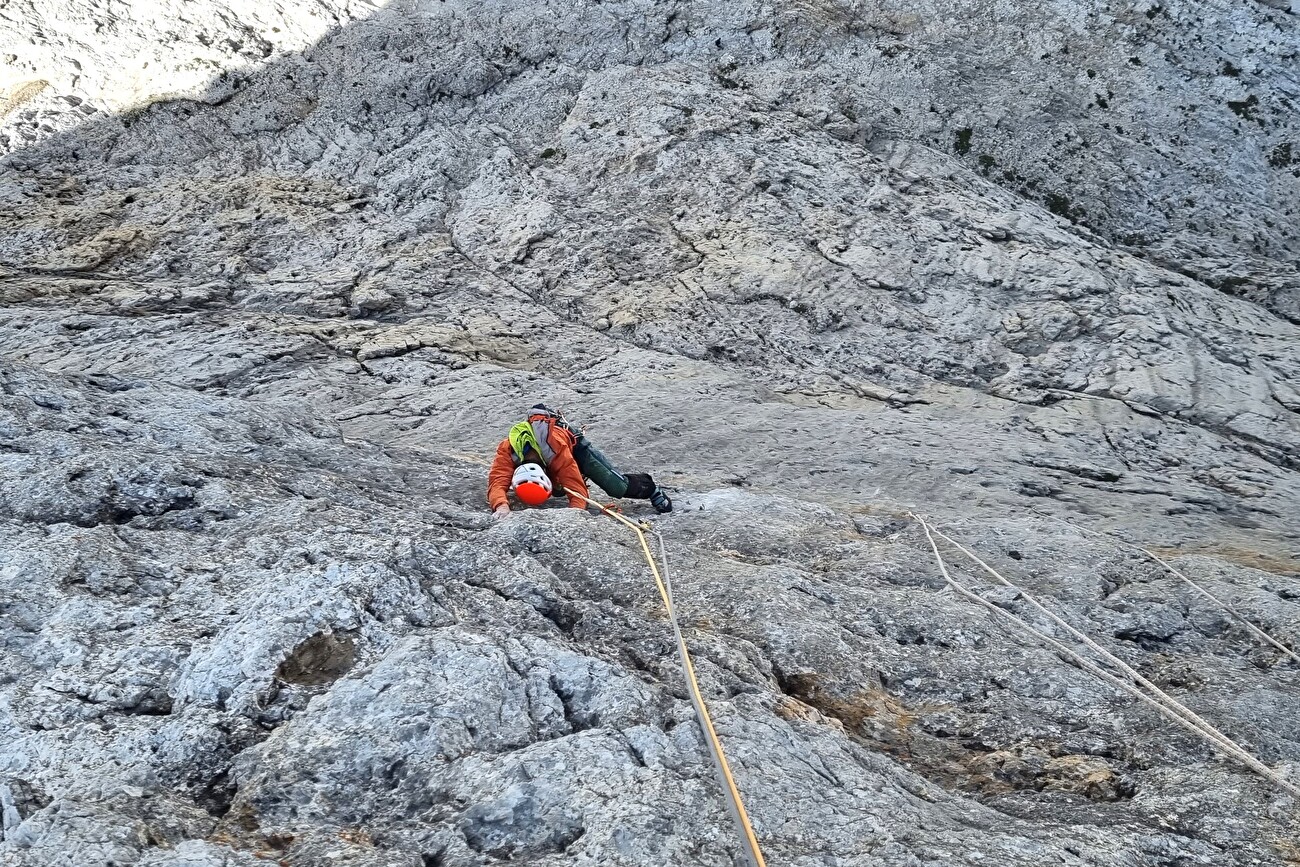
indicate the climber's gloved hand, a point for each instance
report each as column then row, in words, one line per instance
column 500, row 512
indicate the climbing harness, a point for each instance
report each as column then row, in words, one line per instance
column 1254, row 630
column 556, row 417
column 1158, row 699
column 663, row 583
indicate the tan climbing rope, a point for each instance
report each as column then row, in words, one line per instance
column 1161, row 701
column 1226, row 743
column 1255, row 630
column 664, row 584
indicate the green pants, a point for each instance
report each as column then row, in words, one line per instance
column 597, row 468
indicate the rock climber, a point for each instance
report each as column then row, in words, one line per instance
column 546, row 454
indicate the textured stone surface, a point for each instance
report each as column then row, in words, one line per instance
column 267, row 303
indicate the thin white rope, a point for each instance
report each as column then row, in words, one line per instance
column 1245, row 621
column 1173, row 703
column 1227, row 746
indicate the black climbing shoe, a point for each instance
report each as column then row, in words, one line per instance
column 660, row 500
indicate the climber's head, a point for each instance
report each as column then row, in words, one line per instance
column 531, row 484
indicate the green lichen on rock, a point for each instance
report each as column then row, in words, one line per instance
column 961, row 141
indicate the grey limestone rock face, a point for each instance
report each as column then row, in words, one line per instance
column 268, row 302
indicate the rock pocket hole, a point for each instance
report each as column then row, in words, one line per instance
column 320, row 660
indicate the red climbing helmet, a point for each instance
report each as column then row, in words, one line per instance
column 532, row 485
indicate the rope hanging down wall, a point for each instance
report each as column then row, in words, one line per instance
column 749, row 843
column 1123, row 543
column 1132, row 683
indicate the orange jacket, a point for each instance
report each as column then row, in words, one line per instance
column 562, row 469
